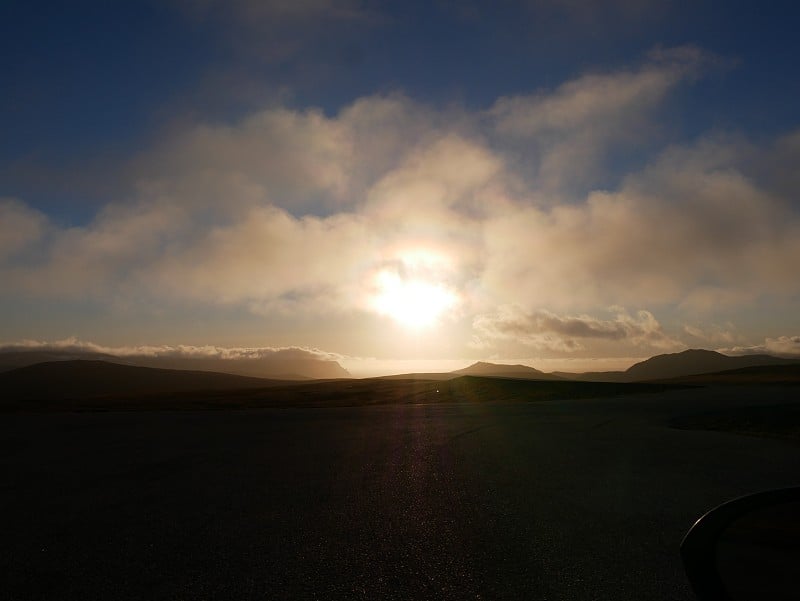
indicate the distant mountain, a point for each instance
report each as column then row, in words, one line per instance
column 693, row 362
column 91, row 379
column 265, row 367
column 284, row 369
column 678, row 365
column 755, row 374
column 13, row 359
column 497, row 370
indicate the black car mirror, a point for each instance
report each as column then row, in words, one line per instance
column 747, row 549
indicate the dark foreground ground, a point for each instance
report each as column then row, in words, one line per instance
column 571, row 499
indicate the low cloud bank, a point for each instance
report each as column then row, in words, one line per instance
column 74, row 345
column 782, row 346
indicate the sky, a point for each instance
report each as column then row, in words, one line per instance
column 401, row 186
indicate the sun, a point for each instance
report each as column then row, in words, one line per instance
column 413, row 303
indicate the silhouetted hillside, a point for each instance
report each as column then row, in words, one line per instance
column 91, row 379
column 263, row 367
column 756, row 374
column 695, row 361
column 678, row 365
column 495, row 370
column 283, row 369
column 14, row 359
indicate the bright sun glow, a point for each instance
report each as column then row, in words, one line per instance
column 413, row 303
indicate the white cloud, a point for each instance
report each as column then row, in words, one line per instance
column 289, row 158
column 96, row 260
column 689, row 230
column 776, row 165
column 300, row 160
column 590, row 101
column 75, row 345
column 400, row 197
column 265, row 255
column 565, row 135
column 20, row 226
column 290, row 212
column 782, row 346
column 712, row 333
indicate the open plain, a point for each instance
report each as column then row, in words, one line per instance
column 552, row 499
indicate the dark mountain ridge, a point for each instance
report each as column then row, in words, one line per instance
column 754, row 374
column 690, row 362
column 498, row 370
column 14, row 359
column 264, row 367
column 93, row 379
column 696, row 361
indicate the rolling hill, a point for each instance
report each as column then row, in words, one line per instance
column 678, row 365
column 81, row 379
column 755, row 374
column 695, row 361
column 280, row 368
column 499, row 370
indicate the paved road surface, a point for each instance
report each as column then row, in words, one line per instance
column 552, row 500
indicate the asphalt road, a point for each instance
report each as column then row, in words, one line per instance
column 549, row 500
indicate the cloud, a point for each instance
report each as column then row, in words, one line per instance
column 278, row 155
column 782, row 346
column 279, row 30
column 20, row 227
column 74, row 345
column 689, row 229
column 591, row 100
column 300, row 160
column 713, row 334
column 570, row 131
column 545, row 330
column 776, row 166
column 290, row 210
column 95, row 260
column 266, row 254
column 288, row 213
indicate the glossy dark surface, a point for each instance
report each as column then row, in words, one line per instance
column 758, row 556
column 747, row 548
